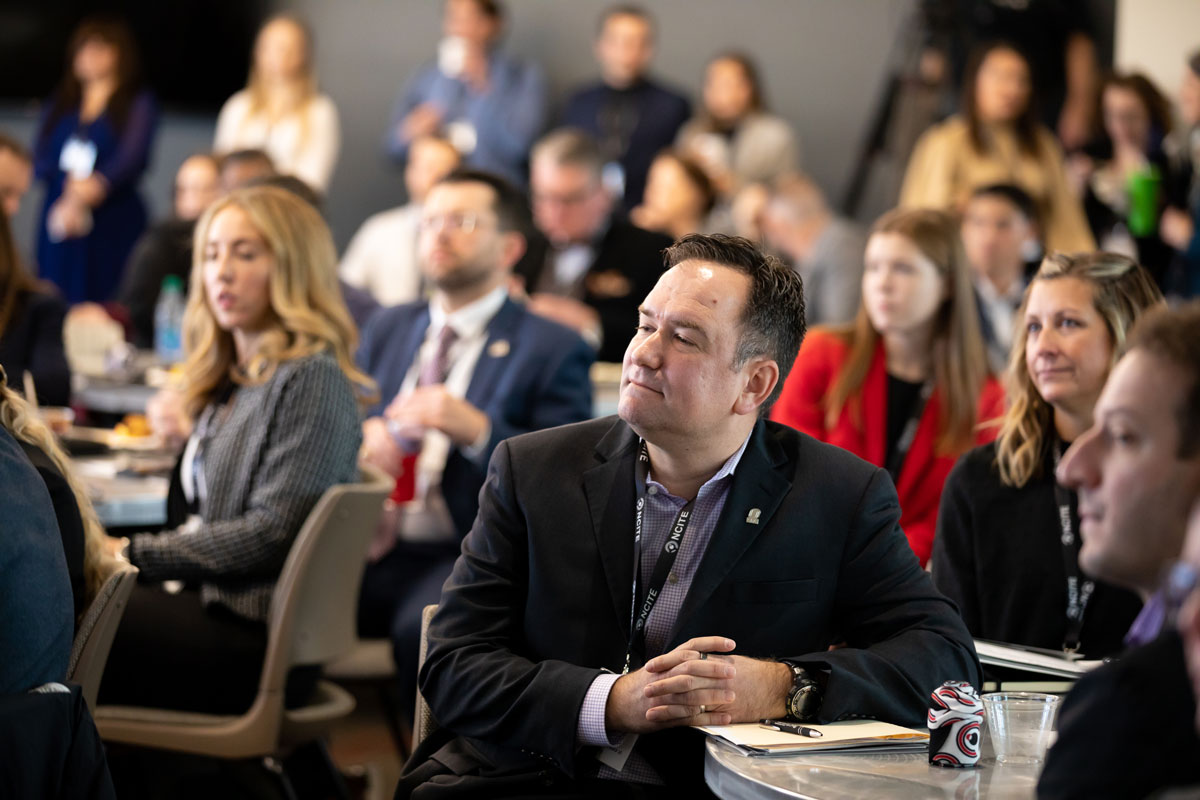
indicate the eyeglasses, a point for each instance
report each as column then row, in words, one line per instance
column 463, row 222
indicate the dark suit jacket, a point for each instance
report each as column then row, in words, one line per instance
column 539, row 602
column 70, row 523
column 33, row 341
column 658, row 114
column 532, row 374
column 627, row 265
column 1127, row 729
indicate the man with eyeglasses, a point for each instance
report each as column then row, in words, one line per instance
column 456, row 375
column 1126, row 729
column 589, row 268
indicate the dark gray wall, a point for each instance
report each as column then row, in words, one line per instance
column 823, row 62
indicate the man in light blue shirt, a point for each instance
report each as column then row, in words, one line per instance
column 489, row 105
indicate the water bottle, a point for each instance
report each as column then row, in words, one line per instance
column 168, row 321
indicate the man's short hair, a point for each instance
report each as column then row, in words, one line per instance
column 16, row 147
column 492, row 9
column 509, row 203
column 570, row 147
column 1174, row 335
column 773, row 319
column 626, row 10
column 1014, row 195
column 290, row 183
column 246, row 156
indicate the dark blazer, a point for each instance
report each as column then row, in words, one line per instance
column 539, row 601
column 164, row 249
column 70, row 523
column 627, row 265
column 532, row 374
column 998, row 555
column 1127, row 729
column 656, row 112
column 33, row 341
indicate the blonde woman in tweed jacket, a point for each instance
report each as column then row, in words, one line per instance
column 270, row 416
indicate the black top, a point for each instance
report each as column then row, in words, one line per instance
column 1127, row 729
column 33, row 341
column 902, row 397
column 164, row 249
column 631, row 125
column 998, row 555
column 70, row 522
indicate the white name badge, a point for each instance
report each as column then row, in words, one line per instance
column 462, row 135
column 615, row 757
column 78, row 158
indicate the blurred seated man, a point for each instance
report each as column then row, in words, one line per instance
column 16, row 174
column 457, row 375
column 166, row 248
column 1126, row 730
column 825, row 249
column 631, row 116
column 750, row 548
column 382, row 257
column 239, row 167
column 589, row 268
column 999, row 235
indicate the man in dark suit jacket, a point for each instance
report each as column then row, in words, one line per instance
column 506, row 372
column 631, row 116
column 1126, row 730
column 586, row 268
column 760, row 548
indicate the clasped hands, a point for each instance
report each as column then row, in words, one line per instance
column 426, row 407
column 698, row 683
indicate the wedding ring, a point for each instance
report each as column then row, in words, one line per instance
column 703, row 656
column 703, row 709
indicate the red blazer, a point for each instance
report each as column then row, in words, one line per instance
column 924, row 471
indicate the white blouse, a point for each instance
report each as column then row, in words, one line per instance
column 307, row 154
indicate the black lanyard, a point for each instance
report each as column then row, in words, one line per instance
column 909, row 432
column 640, row 608
column 1079, row 589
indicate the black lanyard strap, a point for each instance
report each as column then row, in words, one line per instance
column 1079, row 588
column 640, row 607
column 909, row 432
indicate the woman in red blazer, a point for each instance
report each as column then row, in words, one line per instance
column 906, row 386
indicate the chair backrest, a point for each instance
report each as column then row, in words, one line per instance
column 315, row 602
column 98, row 628
column 423, row 721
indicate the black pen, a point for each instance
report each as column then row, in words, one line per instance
column 790, row 727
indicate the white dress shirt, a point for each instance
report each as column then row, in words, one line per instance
column 427, row 518
column 382, row 256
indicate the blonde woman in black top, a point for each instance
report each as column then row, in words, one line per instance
column 1007, row 540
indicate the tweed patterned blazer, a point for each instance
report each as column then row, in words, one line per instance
column 268, row 457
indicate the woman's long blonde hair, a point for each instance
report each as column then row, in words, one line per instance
column 21, row 420
column 308, row 314
column 256, row 85
column 959, row 357
column 1121, row 292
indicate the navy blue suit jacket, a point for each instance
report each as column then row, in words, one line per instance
column 532, row 374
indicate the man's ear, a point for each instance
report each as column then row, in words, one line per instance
column 762, row 375
column 512, row 247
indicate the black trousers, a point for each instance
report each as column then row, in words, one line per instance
column 172, row 652
column 394, row 592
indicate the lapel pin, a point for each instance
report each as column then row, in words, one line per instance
column 498, row 348
column 753, row 516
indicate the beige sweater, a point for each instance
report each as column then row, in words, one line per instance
column 945, row 169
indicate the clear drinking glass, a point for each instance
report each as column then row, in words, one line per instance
column 1021, row 724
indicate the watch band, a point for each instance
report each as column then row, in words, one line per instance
column 804, row 699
